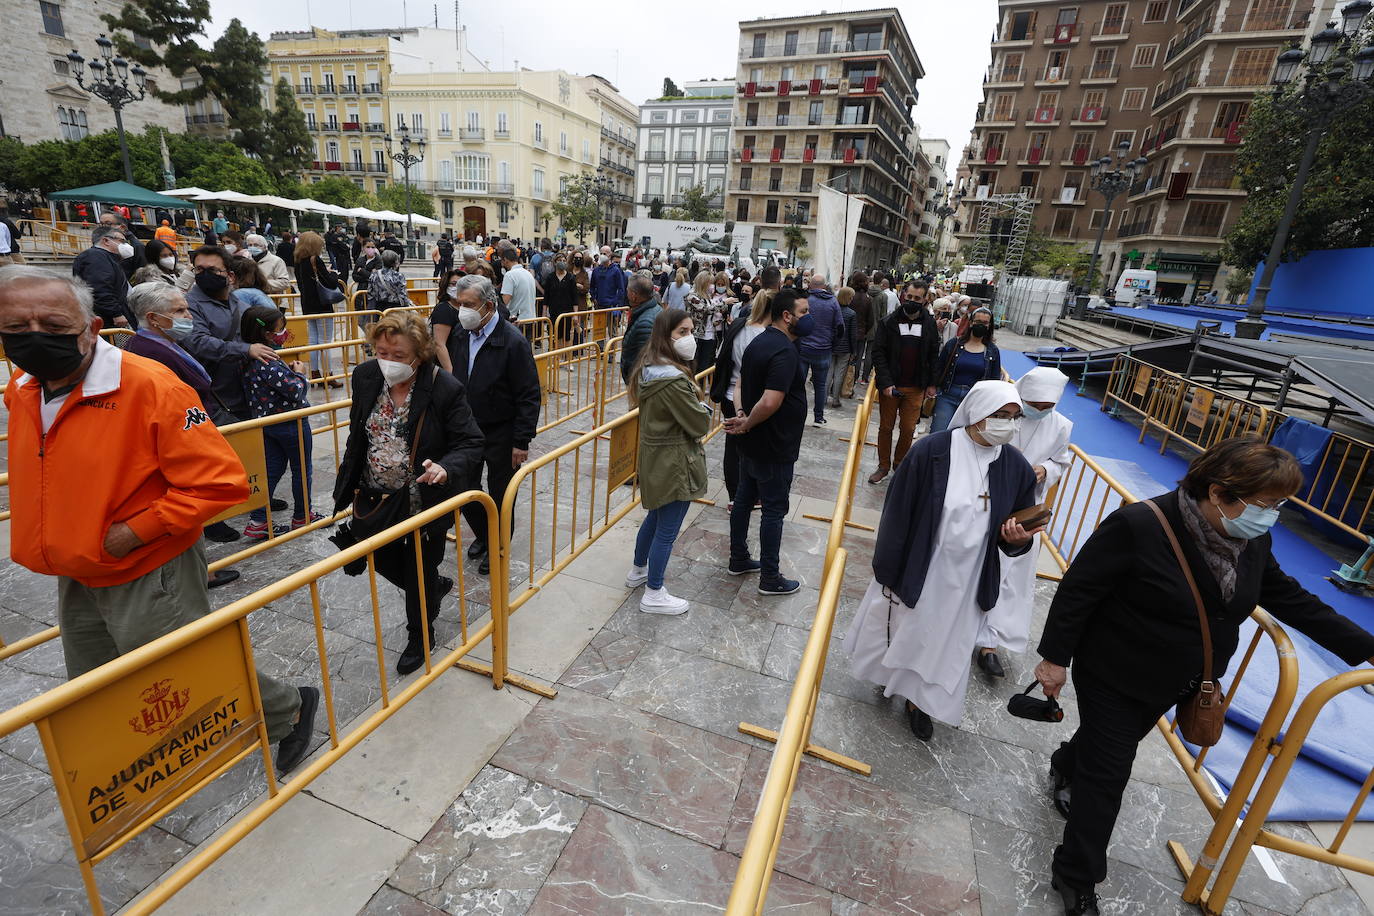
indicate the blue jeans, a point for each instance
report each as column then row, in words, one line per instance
column 770, row 484
column 945, row 405
column 817, row 363
column 657, row 533
column 281, row 447
column 320, row 331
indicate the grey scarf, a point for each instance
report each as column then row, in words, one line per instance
column 1221, row 553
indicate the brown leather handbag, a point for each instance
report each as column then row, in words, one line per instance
column 1201, row 717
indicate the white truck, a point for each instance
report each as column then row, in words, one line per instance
column 1136, row 288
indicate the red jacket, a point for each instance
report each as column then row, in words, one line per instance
column 131, row 444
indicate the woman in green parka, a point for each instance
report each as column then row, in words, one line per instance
column 672, row 461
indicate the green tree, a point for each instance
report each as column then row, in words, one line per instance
column 1238, row 284
column 1337, row 205
column 230, row 70
column 338, row 191
column 42, row 167
column 656, row 208
column 576, row 207
column 696, row 207
column 393, row 197
column 670, row 90
column 795, row 239
column 289, row 147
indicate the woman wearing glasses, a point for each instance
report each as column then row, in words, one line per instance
column 1124, row 617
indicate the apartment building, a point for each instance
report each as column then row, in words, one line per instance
column 501, row 145
column 937, row 192
column 825, row 99
column 39, row 97
column 341, row 80
column 619, row 140
column 685, row 142
column 1171, row 80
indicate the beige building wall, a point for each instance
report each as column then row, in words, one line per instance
column 500, row 146
column 39, row 97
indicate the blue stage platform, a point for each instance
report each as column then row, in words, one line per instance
column 1186, row 317
column 1339, row 752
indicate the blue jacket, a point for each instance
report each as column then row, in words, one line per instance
column 608, row 286
column 829, row 322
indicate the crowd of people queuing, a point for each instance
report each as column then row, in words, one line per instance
column 446, row 400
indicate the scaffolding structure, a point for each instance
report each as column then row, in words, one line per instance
column 1020, row 209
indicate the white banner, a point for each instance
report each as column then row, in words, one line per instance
column 837, row 226
column 671, row 233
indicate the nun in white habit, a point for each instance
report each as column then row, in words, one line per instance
column 1043, row 440
column 936, row 570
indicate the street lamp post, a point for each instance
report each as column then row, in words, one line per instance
column 110, row 83
column 1326, row 91
column 407, row 159
column 603, row 189
column 1110, row 183
column 944, row 212
column 792, row 215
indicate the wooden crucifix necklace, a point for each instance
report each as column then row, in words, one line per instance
column 985, row 496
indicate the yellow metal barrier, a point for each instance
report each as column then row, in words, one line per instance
column 222, row 638
column 570, row 383
column 1180, row 408
column 37, row 237
column 597, row 324
column 760, row 853
column 1286, row 750
column 539, row 332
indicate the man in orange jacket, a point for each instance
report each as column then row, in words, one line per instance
column 122, row 537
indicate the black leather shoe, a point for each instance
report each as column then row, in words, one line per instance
column 445, row 586
column 991, row 664
column 223, row 577
column 291, row 749
column 921, row 726
column 476, row 549
column 1062, row 792
column 1076, row 902
column 485, row 566
column 278, row 505
column 221, row 533
column 412, row 658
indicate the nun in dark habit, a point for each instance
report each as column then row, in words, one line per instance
column 935, row 565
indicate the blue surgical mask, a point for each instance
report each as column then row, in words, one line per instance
column 804, row 325
column 1035, row 413
column 1252, row 522
column 180, row 329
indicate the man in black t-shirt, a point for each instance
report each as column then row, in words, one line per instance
column 773, row 395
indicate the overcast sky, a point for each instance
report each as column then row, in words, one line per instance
column 637, row 45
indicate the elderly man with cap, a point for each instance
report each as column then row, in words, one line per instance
column 935, row 569
column 1043, row 440
column 121, row 538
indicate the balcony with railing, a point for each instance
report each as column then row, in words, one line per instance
column 415, row 133
column 1060, row 74
column 327, row 89
column 376, row 167
column 305, row 89
column 1146, row 184
column 472, row 134
column 540, row 141
column 349, row 89
column 501, row 133
column 1187, row 40
column 623, row 139
column 374, row 127
column 1044, row 115
column 1089, row 115
column 353, row 126
column 1110, row 29
column 332, row 166
column 356, row 166
column 1067, row 195
column 655, row 155
column 1094, row 73
column 1007, row 116
column 1174, row 90
column 444, row 133
column 717, row 155
column 372, row 88
column 685, row 155
column 809, row 48
column 1061, row 33
column 1012, row 75
column 1259, row 19
column 1217, row 178
column 1035, row 155
column 1080, row 155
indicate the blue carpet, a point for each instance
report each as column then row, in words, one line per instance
column 1340, row 749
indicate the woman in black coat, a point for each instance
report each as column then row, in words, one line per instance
column 1125, row 619
column 560, row 298
column 400, row 390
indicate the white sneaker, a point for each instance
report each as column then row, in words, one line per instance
column 637, row 576
column 660, row 602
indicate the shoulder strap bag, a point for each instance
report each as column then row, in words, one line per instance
column 1200, row 717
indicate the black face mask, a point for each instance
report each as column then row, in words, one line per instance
column 911, row 306
column 211, row 284
column 979, row 330
column 47, row 357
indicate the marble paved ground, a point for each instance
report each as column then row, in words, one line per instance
column 631, row 792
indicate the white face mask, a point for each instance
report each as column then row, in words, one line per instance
column 470, row 318
column 254, row 251
column 167, row 263
column 997, row 431
column 230, row 248
column 126, row 250
column 453, row 291
column 395, row 372
column 686, row 347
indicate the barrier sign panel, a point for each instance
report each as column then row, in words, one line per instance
column 134, row 745
column 1142, row 380
column 1201, row 408
column 248, row 444
column 297, row 333
column 599, row 325
column 624, row 453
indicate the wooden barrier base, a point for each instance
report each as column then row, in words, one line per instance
column 1185, row 865
column 514, row 680
column 820, row 753
column 826, row 518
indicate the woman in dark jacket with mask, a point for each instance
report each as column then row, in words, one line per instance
column 1124, row 617
column 401, row 390
column 970, row 358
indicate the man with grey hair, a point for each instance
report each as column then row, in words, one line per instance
column 494, row 362
column 644, row 311
column 272, row 268
column 101, row 267
column 121, row 537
